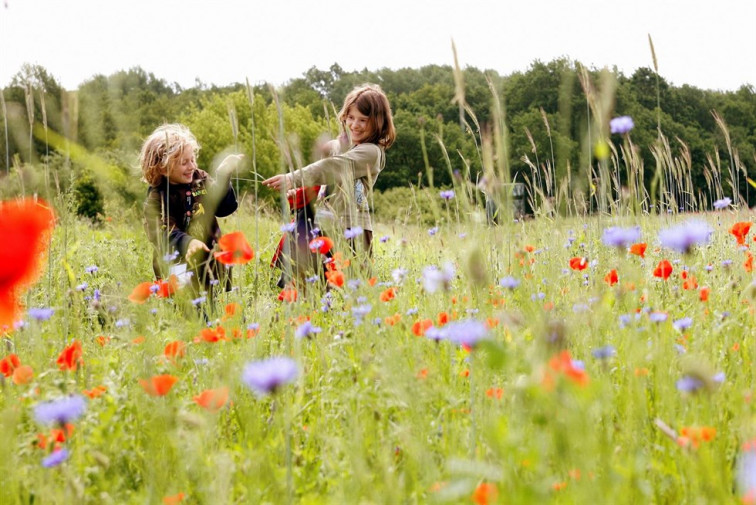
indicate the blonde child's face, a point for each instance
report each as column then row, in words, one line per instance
column 358, row 125
column 181, row 169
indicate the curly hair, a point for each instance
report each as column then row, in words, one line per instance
column 161, row 148
column 371, row 101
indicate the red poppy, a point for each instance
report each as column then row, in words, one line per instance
column 165, row 289
column 703, row 294
column 388, row 294
column 419, row 327
column 563, row 363
column 443, row 318
column 8, row 364
column 690, row 282
column 174, row 499
column 288, row 295
column 25, row 226
column 485, row 494
column 71, row 357
column 159, row 385
column 95, row 392
column 335, row 278
column 663, row 269
column 740, row 230
column 22, row 374
column 212, row 399
column 211, row 335
column 611, row 278
column 174, row 350
column 639, row 249
column 577, row 263
column 748, row 263
column 231, row 310
column 141, row 292
column 321, row 244
column 495, row 393
column 235, row 250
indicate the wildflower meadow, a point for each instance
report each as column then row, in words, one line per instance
column 597, row 350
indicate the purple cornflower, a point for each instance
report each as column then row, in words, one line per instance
column 385, row 239
column 621, row 237
column 745, row 473
column 82, row 286
column 91, row 269
column 604, row 352
column 683, row 324
column 56, row 458
column 353, row 232
column 683, row 237
column 509, row 282
column 622, row 124
column 466, row 332
column 434, row 278
column 199, row 300
column 434, row 333
column 657, row 317
column 266, row 376
column 288, row 227
column 41, row 314
column 60, row 411
column 306, row 329
column 433, row 231
column 722, row 204
column 689, row 384
column 447, row 195
column 398, row 274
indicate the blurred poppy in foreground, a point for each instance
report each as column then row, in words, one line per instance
column 235, row 250
column 71, row 357
column 212, row 399
column 639, row 249
column 25, row 226
column 577, row 263
column 740, row 230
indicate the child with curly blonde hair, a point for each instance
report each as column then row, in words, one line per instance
column 184, row 202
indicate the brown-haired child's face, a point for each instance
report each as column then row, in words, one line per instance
column 358, row 124
column 181, row 169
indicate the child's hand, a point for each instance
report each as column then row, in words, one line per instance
column 278, row 181
column 230, row 164
column 195, row 246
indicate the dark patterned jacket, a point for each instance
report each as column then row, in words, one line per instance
column 177, row 213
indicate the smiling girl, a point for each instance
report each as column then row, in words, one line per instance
column 356, row 160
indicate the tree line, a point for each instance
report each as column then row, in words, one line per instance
column 441, row 115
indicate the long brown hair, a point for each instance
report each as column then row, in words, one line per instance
column 371, row 101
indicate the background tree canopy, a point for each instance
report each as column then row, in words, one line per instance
column 547, row 119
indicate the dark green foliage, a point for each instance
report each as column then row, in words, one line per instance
column 88, row 198
column 116, row 112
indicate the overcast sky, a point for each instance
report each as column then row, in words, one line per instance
column 710, row 44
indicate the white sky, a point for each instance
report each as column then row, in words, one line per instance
column 710, row 44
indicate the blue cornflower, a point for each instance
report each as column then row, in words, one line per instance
column 435, row 334
column 288, row 227
column 657, row 317
column 689, row 384
column 266, row 376
column 466, row 332
column 199, row 300
column 621, row 125
column 435, row 278
column 433, row 231
column 171, row 256
column 361, row 311
column 312, row 279
column 315, row 232
column 353, row 284
column 447, row 195
column 122, row 322
column 60, row 411
column 82, row 286
column 306, row 329
column 615, row 236
column 41, row 314
column 353, row 232
column 604, row 352
column 683, row 237
column 56, row 458
column 509, row 282
column 398, row 274
column 722, row 204
column 411, row 311
column 683, row 324
column 385, row 239
column 91, row 269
